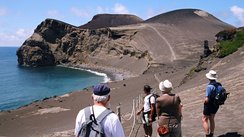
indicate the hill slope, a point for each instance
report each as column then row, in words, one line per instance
column 131, row 48
column 229, row 120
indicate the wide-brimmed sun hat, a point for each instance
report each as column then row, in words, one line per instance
column 212, row 75
column 166, row 84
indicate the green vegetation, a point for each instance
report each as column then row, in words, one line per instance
column 230, row 46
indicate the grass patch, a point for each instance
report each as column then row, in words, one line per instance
column 230, row 46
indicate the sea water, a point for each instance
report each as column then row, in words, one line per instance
column 20, row 86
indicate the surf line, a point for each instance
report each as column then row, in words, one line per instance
column 106, row 79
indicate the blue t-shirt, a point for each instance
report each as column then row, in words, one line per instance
column 210, row 88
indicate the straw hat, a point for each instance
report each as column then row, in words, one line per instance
column 165, row 85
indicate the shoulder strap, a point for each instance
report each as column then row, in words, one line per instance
column 149, row 100
column 103, row 115
column 216, row 84
column 87, row 112
column 214, row 92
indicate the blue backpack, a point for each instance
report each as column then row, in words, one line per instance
column 92, row 126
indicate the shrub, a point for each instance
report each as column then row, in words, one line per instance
column 230, row 46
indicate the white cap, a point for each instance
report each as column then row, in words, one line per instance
column 165, row 85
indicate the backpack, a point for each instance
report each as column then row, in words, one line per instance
column 220, row 95
column 92, row 126
column 154, row 113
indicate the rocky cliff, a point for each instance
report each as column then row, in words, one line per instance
column 132, row 47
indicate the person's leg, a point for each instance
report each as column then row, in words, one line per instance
column 178, row 131
column 205, row 119
column 145, row 129
column 175, row 131
column 147, row 126
column 144, row 121
column 149, row 130
column 212, row 123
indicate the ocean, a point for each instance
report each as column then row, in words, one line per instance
column 19, row 86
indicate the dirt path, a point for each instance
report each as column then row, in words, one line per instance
column 173, row 57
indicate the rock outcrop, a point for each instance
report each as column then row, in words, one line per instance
column 111, row 20
column 132, row 48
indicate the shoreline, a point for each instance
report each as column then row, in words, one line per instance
column 109, row 74
column 113, row 74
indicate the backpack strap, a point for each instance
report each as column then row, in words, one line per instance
column 215, row 91
column 87, row 112
column 149, row 99
column 103, row 115
column 88, row 115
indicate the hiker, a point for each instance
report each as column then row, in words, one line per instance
column 210, row 109
column 147, row 111
column 168, row 107
column 206, row 51
column 110, row 124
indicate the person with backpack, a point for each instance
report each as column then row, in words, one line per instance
column 213, row 99
column 169, row 110
column 147, row 111
column 97, row 120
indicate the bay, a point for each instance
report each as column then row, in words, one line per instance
column 20, row 86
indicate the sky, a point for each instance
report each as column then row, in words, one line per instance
column 19, row 18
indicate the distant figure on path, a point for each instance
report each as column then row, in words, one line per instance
column 110, row 123
column 147, row 111
column 206, row 51
column 168, row 107
column 210, row 109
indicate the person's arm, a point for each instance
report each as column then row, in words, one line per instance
column 117, row 129
column 208, row 93
column 78, row 120
column 158, row 108
column 153, row 101
column 151, row 112
column 180, row 107
column 206, row 100
column 139, row 112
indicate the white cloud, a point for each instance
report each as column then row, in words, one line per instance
column 239, row 14
column 3, row 11
column 79, row 13
column 15, row 38
column 54, row 14
column 120, row 9
column 102, row 10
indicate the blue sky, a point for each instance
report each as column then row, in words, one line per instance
column 18, row 18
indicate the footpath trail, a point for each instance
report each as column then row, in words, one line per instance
column 229, row 119
column 173, row 56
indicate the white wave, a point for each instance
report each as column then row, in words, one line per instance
column 105, row 79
